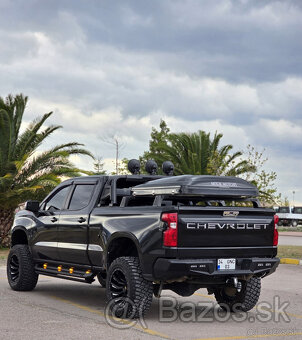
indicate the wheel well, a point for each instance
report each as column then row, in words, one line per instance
column 19, row 237
column 121, row 246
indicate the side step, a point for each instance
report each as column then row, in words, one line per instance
column 65, row 272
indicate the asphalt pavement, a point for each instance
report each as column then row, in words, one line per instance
column 288, row 240
column 59, row 309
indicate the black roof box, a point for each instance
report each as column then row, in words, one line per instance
column 199, row 185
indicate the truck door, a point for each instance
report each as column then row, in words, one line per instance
column 73, row 224
column 45, row 241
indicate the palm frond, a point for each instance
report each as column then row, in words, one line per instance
column 25, row 174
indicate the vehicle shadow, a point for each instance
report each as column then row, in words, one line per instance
column 93, row 298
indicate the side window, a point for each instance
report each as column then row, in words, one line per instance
column 81, row 196
column 57, row 201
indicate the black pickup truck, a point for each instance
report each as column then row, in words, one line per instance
column 139, row 234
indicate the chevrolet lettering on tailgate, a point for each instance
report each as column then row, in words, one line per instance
column 224, row 226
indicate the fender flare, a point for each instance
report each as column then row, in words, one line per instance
column 128, row 235
column 19, row 228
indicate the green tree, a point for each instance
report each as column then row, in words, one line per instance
column 121, row 167
column 24, row 172
column 264, row 180
column 284, row 202
column 159, row 139
column 98, row 167
column 195, row 153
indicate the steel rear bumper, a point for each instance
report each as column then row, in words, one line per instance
column 167, row 269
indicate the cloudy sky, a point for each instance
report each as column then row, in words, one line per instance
column 117, row 67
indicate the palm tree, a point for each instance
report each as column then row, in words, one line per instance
column 196, row 153
column 24, row 172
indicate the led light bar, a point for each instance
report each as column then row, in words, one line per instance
column 168, row 190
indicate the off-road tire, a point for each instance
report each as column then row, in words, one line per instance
column 102, row 279
column 129, row 294
column 243, row 301
column 21, row 273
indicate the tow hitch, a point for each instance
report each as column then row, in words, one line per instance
column 235, row 283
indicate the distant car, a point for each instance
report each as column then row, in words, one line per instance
column 289, row 216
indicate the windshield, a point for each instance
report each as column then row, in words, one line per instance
column 284, row 210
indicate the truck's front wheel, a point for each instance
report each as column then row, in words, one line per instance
column 102, row 279
column 129, row 294
column 229, row 299
column 21, row 273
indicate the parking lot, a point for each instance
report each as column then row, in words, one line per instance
column 59, row 309
column 288, row 240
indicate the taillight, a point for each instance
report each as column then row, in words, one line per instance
column 276, row 235
column 170, row 235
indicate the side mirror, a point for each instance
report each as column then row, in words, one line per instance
column 32, row 206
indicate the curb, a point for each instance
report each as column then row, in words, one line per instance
column 291, row 261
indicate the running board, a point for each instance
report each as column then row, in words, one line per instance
column 71, row 273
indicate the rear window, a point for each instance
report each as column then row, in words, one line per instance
column 81, row 196
column 132, row 201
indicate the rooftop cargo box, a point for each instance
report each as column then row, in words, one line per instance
column 198, row 185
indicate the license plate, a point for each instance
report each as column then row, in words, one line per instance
column 226, row 264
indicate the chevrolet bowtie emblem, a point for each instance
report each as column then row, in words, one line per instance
column 230, row 213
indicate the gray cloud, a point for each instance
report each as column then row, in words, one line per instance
column 117, row 67
column 237, row 40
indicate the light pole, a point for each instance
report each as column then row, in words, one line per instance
column 294, row 198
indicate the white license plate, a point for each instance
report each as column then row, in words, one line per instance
column 226, row 264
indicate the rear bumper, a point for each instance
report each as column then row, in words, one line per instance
column 168, row 269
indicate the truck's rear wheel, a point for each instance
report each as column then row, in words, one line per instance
column 229, row 299
column 128, row 293
column 21, row 273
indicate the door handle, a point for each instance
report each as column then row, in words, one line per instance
column 54, row 219
column 81, row 219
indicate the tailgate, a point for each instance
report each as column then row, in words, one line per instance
column 225, row 227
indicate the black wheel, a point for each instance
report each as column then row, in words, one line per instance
column 128, row 293
column 102, row 279
column 229, row 299
column 21, row 273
